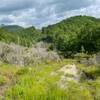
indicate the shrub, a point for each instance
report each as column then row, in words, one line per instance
column 2, row 80
column 18, row 55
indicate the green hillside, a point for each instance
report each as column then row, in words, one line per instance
column 69, row 35
column 25, row 37
column 12, row 28
column 72, row 34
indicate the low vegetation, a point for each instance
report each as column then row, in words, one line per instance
column 74, row 34
column 25, row 37
column 42, row 82
column 59, row 62
column 19, row 55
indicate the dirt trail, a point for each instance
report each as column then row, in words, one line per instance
column 70, row 73
column 69, row 69
column 67, row 73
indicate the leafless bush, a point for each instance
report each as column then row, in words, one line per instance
column 15, row 54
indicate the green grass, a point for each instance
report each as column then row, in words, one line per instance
column 37, row 83
column 2, row 80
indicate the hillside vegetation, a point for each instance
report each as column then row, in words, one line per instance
column 25, row 37
column 58, row 62
column 70, row 35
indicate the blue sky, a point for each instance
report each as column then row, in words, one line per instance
column 44, row 12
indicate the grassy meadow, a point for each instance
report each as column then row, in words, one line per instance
column 38, row 82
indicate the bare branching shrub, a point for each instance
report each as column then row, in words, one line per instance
column 88, row 59
column 15, row 54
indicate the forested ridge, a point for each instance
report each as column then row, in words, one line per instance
column 22, row 36
column 74, row 33
column 69, row 35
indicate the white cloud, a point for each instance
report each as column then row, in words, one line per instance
column 43, row 12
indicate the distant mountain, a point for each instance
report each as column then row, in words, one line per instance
column 19, row 35
column 70, row 35
column 12, row 28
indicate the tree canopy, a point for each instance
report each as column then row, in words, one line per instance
column 72, row 34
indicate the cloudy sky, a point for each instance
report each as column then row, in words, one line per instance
column 44, row 12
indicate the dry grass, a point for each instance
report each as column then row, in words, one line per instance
column 18, row 55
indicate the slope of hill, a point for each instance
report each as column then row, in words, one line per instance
column 67, row 36
column 74, row 33
column 19, row 35
column 12, row 28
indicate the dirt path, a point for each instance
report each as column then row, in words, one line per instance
column 70, row 73
column 67, row 73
